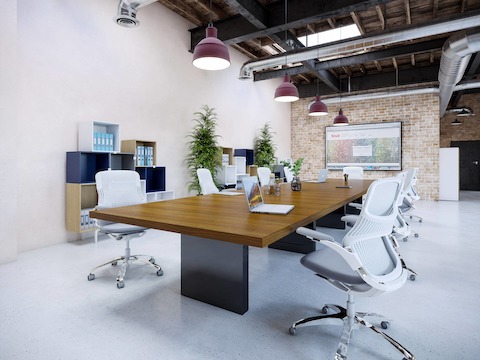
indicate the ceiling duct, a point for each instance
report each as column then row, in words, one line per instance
column 358, row 46
column 456, row 54
column 127, row 12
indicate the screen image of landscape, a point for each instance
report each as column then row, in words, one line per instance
column 371, row 146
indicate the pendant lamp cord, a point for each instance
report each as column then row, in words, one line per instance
column 286, row 42
column 210, row 22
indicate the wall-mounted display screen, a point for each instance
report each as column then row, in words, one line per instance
column 371, row 146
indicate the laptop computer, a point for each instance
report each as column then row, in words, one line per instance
column 255, row 199
column 322, row 175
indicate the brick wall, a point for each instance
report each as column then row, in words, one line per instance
column 419, row 115
column 470, row 128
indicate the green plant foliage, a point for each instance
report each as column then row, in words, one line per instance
column 265, row 147
column 295, row 167
column 203, row 149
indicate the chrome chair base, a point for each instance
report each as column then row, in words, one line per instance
column 350, row 322
column 126, row 260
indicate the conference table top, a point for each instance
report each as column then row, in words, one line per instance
column 227, row 218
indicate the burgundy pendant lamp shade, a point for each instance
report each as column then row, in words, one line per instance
column 211, row 53
column 286, row 91
column 340, row 119
column 318, row 108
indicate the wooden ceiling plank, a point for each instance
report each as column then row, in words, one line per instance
column 408, row 13
column 356, row 19
column 381, row 16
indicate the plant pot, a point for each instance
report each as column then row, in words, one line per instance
column 296, row 184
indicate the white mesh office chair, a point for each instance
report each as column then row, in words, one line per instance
column 288, row 174
column 205, row 179
column 354, row 172
column 365, row 264
column 400, row 231
column 263, row 174
column 411, row 195
column 121, row 188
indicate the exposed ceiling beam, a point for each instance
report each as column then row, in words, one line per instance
column 381, row 9
column 407, row 12
column 236, row 29
column 356, row 19
column 375, row 56
column 435, row 8
column 416, row 76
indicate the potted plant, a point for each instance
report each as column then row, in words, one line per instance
column 295, row 169
column 265, row 147
column 203, row 149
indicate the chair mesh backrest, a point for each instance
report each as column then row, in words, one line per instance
column 205, row 179
column 119, row 188
column 369, row 237
column 288, row 174
column 354, row 172
column 264, row 175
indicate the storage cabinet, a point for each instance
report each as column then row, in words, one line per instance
column 154, row 177
column 248, row 154
column 81, row 192
column 145, row 151
column 98, row 136
column 227, row 175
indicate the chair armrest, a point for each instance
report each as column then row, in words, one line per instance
column 352, row 259
column 314, row 235
column 355, row 205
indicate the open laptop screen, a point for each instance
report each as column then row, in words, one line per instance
column 252, row 191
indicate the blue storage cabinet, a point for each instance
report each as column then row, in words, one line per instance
column 83, row 165
column 154, row 177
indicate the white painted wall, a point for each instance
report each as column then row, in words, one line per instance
column 8, row 132
column 74, row 64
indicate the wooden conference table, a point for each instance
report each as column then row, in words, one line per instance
column 216, row 272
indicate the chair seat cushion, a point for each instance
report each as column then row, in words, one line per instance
column 329, row 264
column 118, row 228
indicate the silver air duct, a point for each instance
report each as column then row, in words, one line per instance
column 127, row 12
column 456, row 54
column 358, row 46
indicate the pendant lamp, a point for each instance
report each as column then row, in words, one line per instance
column 318, row 108
column 286, row 91
column 211, row 53
column 340, row 119
column 455, row 122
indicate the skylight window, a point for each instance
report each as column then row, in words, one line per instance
column 325, row 37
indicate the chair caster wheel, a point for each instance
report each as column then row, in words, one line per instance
column 385, row 324
column 120, row 284
column 152, row 260
column 114, row 263
column 292, row 330
column 325, row 310
column 405, row 239
column 412, row 277
column 91, row 277
column 420, row 220
column 416, row 235
column 160, row 272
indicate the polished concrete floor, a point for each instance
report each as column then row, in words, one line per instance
column 48, row 309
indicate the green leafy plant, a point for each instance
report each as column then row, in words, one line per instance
column 265, row 147
column 295, row 167
column 203, row 149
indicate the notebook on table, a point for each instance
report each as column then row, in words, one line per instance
column 255, row 199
